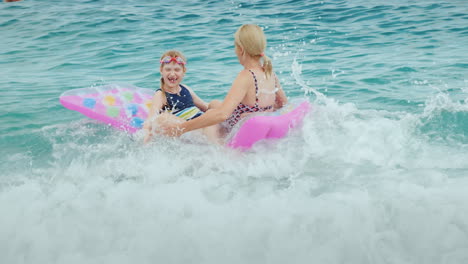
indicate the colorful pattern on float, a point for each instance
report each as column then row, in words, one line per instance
column 124, row 107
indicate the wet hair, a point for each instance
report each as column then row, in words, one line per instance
column 252, row 40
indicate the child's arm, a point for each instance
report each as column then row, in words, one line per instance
column 202, row 105
column 157, row 103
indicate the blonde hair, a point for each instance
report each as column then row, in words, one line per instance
column 252, row 40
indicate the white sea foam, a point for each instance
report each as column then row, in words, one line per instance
column 351, row 185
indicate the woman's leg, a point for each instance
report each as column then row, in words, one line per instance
column 213, row 134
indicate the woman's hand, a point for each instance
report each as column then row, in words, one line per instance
column 171, row 129
column 169, row 125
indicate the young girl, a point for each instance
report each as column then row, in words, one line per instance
column 173, row 100
column 255, row 89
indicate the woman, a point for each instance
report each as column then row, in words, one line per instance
column 255, row 89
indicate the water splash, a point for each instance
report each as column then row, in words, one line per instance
column 296, row 70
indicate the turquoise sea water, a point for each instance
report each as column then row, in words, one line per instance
column 377, row 174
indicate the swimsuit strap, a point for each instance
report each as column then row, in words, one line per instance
column 181, row 88
column 276, row 81
column 256, row 87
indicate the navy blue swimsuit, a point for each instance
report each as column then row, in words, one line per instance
column 181, row 104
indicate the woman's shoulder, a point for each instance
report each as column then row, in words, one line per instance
column 244, row 77
column 245, row 74
column 249, row 73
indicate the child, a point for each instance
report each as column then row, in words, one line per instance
column 178, row 101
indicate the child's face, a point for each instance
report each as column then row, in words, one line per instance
column 172, row 74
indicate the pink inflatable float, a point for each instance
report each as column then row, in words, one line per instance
column 126, row 107
column 259, row 126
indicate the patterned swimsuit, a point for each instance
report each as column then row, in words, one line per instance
column 242, row 108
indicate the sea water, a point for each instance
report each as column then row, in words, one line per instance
column 378, row 173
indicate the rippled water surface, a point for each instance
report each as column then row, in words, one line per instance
column 378, row 172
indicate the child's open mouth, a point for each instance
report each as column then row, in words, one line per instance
column 172, row 80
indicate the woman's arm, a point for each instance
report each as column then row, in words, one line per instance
column 202, row 105
column 214, row 116
column 281, row 98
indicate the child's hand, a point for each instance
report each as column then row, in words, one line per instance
column 147, row 138
column 147, row 129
